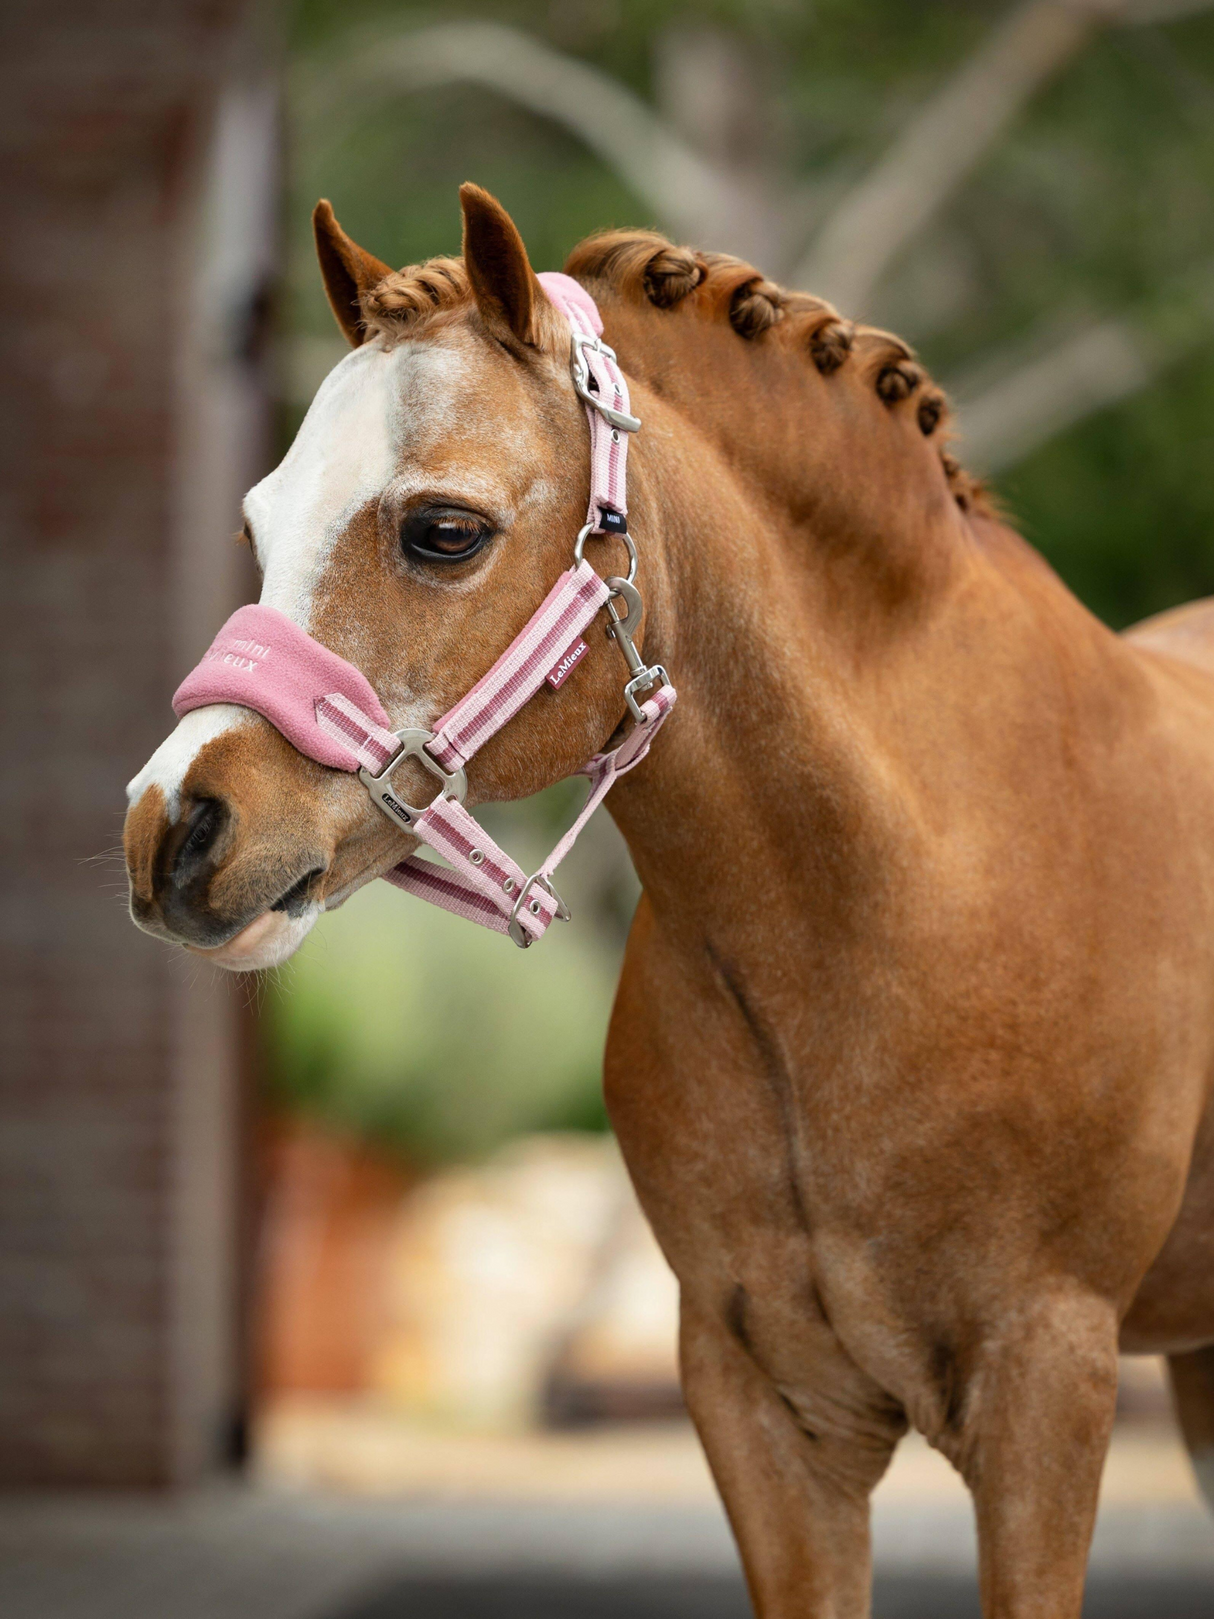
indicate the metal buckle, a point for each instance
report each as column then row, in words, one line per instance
column 412, row 746
column 642, row 675
column 581, row 382
column 515, row 928
column 655, row 675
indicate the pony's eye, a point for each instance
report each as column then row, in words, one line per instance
column 443, row 536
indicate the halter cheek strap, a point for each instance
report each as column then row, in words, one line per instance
column 601, row 387
column 328, row 709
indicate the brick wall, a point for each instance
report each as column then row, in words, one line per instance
column 131, row 413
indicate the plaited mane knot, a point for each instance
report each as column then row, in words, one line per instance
column 756, row 305
column 930, row 412
column 829, row 340
column 898, row 381
column 671, row 274
column 967, row 492
column 644, row 265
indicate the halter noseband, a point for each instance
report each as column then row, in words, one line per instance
column 329, row 711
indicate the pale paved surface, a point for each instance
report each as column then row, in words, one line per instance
column 359, row 1447
column 608, row 1524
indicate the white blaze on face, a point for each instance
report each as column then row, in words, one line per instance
column 343, row 455
column 370, row 411
column 347, row 450
column 167, row 767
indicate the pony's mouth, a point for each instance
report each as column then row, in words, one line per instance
column 266, row 941
column 295, row 900
column 277, row 932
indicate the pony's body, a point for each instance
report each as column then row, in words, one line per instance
column 914, row 1041
column 949, row 908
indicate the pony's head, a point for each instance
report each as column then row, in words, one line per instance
column 424, row 510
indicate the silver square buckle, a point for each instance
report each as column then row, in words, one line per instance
column 412, row 746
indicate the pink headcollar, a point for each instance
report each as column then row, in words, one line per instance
column 328, row 709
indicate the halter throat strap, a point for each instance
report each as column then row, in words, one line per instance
column 328, row 710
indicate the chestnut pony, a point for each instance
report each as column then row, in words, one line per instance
column 911, row 1055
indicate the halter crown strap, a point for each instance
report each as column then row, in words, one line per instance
column 328, row 709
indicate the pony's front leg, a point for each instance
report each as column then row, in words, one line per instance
column 1035, row 1418
column 1193, row 1389
column 796, row 1495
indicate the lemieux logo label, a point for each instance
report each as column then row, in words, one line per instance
column 566, row 664
column 397, row 808
column 240, row 654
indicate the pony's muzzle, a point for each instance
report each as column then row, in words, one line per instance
column 171, row 863
column 185, row 884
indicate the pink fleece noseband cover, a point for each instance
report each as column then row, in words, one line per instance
column 261, row 659
column 326, row 707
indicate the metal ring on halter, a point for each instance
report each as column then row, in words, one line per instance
column 515, row 928
column 412, row 746
column 580, row 542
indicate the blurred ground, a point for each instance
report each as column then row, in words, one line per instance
column 359, row 1448
column 618, row 1521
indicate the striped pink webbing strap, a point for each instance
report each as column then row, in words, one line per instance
column 608, row 445
column 557, row 625
column 485, row 890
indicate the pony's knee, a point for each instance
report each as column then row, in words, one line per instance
column 1045, row 1373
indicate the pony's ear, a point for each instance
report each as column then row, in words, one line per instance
column 347, row 270
column 503, row 284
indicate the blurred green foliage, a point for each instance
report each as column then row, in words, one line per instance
column 399, row 1023
column 1123, row 505
column 409, row 1025
column 406, row 1025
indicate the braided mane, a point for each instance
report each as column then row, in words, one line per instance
column 643, row 265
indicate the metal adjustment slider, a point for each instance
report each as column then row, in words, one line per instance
column 515, row 928
column 412, row 746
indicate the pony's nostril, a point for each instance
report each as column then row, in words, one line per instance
column 296, row 897
column 207, row 820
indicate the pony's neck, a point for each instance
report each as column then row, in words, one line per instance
column 796, row 542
